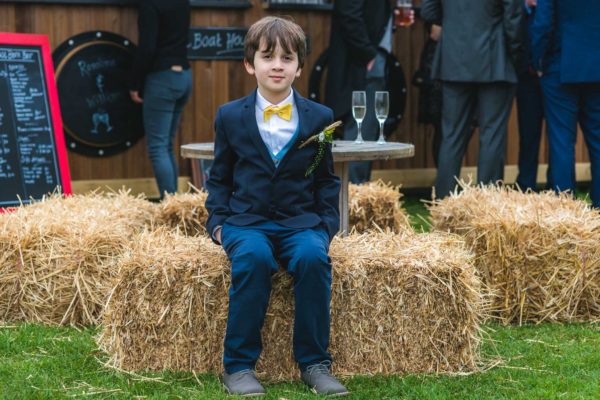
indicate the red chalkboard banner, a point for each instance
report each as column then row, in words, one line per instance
column 33, row 156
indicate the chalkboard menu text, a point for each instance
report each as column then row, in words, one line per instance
column 33, row 159
column 216, row 43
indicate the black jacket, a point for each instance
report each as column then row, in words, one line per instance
column 163, row 27
column 245, row 187
column 356, row 29
column 481, row 40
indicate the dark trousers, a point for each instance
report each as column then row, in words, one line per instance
column 565, row 105
column 530, row 115
column 460, row 100
column 165, row 95
column 254, row 252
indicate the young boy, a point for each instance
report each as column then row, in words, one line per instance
column 267, row 211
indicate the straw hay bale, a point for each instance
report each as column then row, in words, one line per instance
column 538, row 253
column 375, row 205
column 371, row 205
column 185, row 212
column 400, row 303
column 58, row 257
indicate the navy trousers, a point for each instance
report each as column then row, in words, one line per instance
column 254, row 252
column 565, row 105
column 530, row 113
column 165, row 95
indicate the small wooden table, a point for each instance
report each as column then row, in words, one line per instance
column 344, row 151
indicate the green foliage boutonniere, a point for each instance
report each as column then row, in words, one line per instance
column 325, row 136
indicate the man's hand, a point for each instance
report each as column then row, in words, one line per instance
column 436, row 32
column 412, row 18
column 135, row 96
column 531, row 3
column 370, row 65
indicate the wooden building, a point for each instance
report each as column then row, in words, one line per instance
column 216, row 82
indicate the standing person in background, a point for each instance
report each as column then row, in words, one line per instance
column 476, row 57
column 530, row 110
column 566, row 55
column 162, row 71
column 361, row 34
column 430, row 90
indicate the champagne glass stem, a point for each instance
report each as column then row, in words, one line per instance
column 359, row 138
column 381, row 139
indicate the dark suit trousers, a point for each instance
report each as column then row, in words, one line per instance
column 255, row 252
column 530, row 113
column 565, row 105
column 460, row 101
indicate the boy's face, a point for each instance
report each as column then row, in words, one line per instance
column 275, row 71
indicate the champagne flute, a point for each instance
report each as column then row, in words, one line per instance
column 382, row 107
column 359, row 109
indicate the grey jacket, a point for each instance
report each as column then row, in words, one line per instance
column 482, row 40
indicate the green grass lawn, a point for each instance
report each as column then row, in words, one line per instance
column 547, row 361
column 533, row 362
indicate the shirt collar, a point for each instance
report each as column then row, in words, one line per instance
column 263, row 103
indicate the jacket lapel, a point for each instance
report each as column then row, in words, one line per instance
column 304, row 128
column 249, row 118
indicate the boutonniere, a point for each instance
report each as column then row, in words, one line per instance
column 323, row 137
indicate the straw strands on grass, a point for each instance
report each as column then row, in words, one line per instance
column 376, row 205
column 400, row 303
column 538, row 253
column 185, row 212
column 58, row 257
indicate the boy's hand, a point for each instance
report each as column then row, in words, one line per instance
column 218, row 234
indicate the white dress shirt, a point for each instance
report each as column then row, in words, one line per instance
column 276, row 132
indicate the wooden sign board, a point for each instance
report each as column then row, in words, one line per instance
column 33, row 157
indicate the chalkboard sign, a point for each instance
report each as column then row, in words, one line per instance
column 92, row 73
column 216, row 43
column 33, row 160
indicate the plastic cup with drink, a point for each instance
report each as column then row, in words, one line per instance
column 403, row 13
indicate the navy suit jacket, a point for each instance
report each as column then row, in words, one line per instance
column 566, row 39
column 245, row 187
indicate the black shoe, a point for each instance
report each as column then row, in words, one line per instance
column 318, row 378
column 243, row 383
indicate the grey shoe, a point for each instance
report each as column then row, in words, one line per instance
column 243, row 383
column 318, row 378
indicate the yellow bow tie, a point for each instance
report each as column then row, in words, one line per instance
column 284, row 112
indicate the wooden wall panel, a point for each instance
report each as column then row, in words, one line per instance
column 216, row 82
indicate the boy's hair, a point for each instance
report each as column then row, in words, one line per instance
column 272, row 30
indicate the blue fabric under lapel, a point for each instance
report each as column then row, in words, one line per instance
column 303, row 129
column 277, row 158
column 249, row 118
